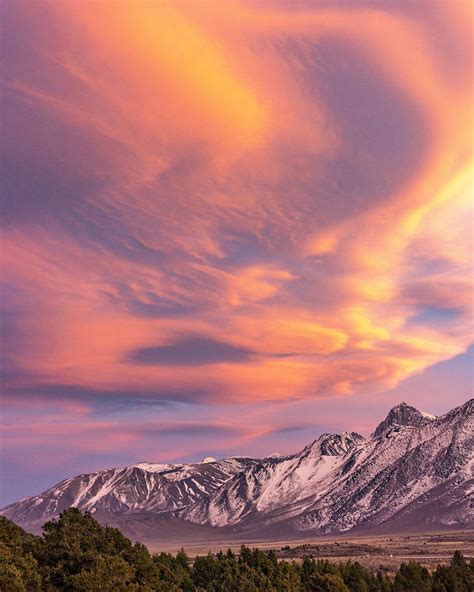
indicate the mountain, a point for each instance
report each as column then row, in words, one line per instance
column 413, row 472
column 342, row 482
column 145, row 487
column 403, row 415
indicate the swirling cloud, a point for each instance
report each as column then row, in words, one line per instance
column 234, row 204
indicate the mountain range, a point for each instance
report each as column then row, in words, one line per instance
column 413, row 473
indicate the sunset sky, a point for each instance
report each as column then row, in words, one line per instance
column 229, row 226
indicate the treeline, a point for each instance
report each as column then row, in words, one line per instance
column 76, row 553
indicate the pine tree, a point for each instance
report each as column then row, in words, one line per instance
column 19, row 570
column 412, row 577
column 327, row 582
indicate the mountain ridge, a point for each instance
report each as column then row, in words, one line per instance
column 335, row 484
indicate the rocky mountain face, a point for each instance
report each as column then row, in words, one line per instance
column 145, row 487
column 403, row 415
column 414, row 471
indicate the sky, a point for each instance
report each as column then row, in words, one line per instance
column 228, row 227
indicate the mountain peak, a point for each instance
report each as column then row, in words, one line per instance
column 337, row 444
column 276, row 455
column 402, row 415
column 402, row 404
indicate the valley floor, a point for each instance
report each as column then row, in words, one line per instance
column 390, row 551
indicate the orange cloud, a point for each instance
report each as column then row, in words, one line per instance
column 180, row 77
column 216, row 208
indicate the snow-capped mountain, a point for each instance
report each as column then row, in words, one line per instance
column 414, row 469
column 341, row 482
column 145, row 487
column 274, row 483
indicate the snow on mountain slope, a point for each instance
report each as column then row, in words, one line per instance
column 273, row 482
column 145, row 487
column 340, row 482
column 396, row 467
column 412, row 464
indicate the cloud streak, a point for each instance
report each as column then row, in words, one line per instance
column 190, row 351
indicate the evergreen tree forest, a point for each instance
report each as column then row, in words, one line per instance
column 76, row 553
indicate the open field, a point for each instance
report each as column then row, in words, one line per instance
column 371, row 550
